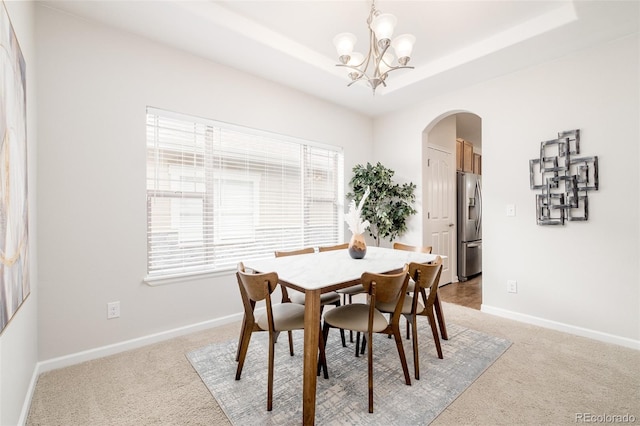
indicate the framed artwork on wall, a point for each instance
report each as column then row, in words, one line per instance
column 14, row 212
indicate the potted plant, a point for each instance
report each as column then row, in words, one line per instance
column 388, row 205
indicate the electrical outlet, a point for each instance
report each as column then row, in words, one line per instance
column 113, row 310
column 512, row 286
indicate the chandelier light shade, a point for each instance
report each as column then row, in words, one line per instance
column 344, row 42
column 383, row 26
column 403, row 46
column 374, row 67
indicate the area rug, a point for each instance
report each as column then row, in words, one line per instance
column 342, row 399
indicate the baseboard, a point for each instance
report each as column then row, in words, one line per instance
column 24, row 413
column 77, row 358
column 67, row 360
column 567, row 328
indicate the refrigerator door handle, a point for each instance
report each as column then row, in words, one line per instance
column 473, row 245
column 479, row 197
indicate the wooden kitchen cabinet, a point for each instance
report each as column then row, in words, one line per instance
column 477, row 164
column 459, row 154
column 467, row 157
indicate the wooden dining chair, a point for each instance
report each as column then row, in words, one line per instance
column 366, row 318
column 417, row 249
column 306, row 250
column 407, row 247
column 437, row 303
column 342, row 246
column 330, row 298
column 285, row 296
column 278, row 317
column 426, row 277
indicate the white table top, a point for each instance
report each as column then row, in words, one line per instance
column 319, row 270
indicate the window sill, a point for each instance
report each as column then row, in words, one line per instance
column 182, row 278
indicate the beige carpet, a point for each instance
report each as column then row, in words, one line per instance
column 545, row 377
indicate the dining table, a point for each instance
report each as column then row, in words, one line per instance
column 322, row 272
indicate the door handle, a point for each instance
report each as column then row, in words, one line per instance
column 451, row 225
column 474, row 245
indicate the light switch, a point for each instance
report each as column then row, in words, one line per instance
column 511, row 209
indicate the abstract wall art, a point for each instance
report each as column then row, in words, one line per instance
column 564, row 180
column 14, row 214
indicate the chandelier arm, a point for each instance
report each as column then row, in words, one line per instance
column 399, row 67
column 361, row 75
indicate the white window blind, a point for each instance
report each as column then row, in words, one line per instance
column 219, row 193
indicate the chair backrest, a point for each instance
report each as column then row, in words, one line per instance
column 406, row 247
column 281, row 253
column 387, row 288
column 257, row 287
column 426, row 276
column 254, row 288
column 336, row 247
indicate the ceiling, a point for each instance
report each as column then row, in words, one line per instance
column 459, row 43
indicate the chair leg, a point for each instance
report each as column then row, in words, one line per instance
column 244, row 320
column 270, row 374
column 408, row 337
column 403, row 359
column 416, row 358
column 350, row 331
column 242, row 350
column 322, row 363
column 344, row 341
column 440, row 315
column 370, row 369
column 290, row 342
column 434, row 331
column 323, row 356
column 325, row 333
column 360, row 348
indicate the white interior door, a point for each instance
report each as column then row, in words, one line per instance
column 441, row 209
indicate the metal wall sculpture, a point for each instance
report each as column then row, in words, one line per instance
column 564, row 179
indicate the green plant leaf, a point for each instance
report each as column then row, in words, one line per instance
column 389, row 204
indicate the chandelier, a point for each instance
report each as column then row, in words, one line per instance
column 373, row 68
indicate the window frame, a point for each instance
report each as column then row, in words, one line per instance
column 309, row 158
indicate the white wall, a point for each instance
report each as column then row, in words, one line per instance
column 94, row 85
column 18, row 342
column 583, row 277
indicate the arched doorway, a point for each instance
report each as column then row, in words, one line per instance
column 440, row 164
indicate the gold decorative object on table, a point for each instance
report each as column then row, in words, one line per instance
column 357, row 245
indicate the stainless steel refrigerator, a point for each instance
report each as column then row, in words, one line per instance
column 469, row 225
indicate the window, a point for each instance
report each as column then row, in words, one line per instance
column 219, row 193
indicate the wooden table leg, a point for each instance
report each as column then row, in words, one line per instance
column 311, row 337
